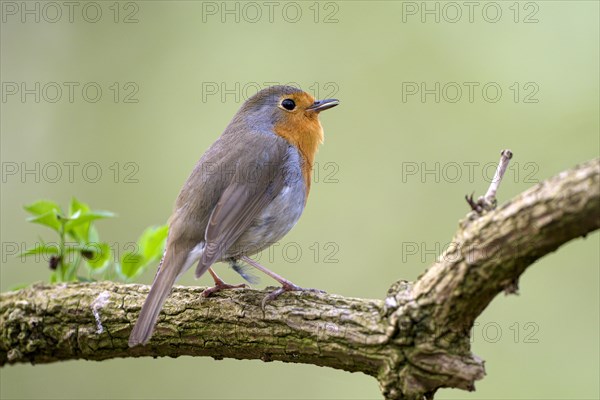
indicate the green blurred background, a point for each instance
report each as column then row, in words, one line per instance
column 391, row 176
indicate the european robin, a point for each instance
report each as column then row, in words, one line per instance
column 246, row 192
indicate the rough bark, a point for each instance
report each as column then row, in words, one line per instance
column 414, row 341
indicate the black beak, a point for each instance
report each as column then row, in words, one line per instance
column 321, row 105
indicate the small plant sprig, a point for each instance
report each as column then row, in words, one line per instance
column 79, row 244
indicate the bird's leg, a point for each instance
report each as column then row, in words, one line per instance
column 219, row 285
column 286, row 286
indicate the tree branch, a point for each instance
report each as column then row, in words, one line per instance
column 414, row 341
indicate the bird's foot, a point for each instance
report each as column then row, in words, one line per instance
column 222, row 286
column 286, row 287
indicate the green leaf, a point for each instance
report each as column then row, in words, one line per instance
column 79, row 225
column 131, row 265
column 41, row 207
column 45, row 212
column 96, row 255
column 152, row 242
column 93, row 236
column 40, row 249
column 82, row 218
column 49, row 219
column 150, row 247
column 77, row 205
column 79, row 232
column 74, row 216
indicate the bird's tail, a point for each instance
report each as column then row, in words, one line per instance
column 161, row 287
column 168, row 272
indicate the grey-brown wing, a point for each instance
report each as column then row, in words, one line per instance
column 250, row 191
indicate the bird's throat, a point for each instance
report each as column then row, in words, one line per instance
column 306, row 135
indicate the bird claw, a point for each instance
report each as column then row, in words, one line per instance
column 222, row 286
column 286, row 288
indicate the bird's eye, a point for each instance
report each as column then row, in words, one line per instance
column 288, row 104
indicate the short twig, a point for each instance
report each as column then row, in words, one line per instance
column 488, row 201
column 505, row 157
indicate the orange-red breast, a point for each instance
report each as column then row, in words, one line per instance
column 246, row 192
